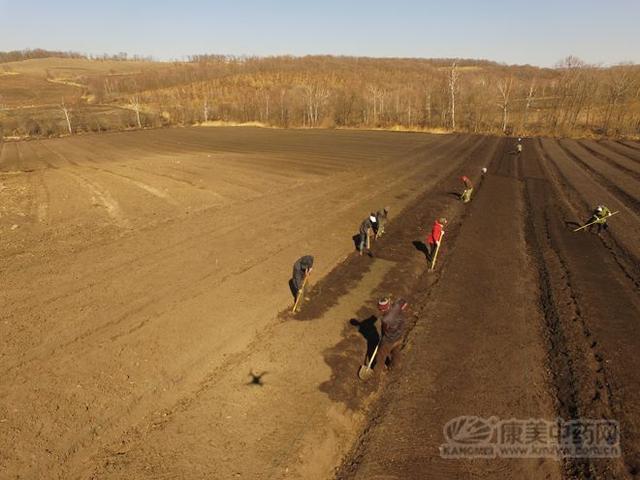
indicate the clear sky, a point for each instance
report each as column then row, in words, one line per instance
column 538, row 32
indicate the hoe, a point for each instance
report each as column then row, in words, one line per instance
column 366, row 371
column 300, row 293
column 435, row 255
column 595, row 221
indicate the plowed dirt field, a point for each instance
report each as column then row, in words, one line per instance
column 144, row 324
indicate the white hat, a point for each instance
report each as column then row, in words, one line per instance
column 484, row 169
column 599, row 209
column 373, row 218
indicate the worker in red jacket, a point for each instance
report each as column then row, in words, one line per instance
column 434, row 238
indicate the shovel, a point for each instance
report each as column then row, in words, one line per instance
column 435, row 255
column 595, row 221
column 300, row 293
column 366, row 371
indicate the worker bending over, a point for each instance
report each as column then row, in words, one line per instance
column 366, row 231
column 599, row 218
column 381, row 221
column 468, row 189
column 301, row 270
column 435, row 237
column 393, row 326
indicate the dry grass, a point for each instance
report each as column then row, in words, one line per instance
column 221, row 123
column 72, row 67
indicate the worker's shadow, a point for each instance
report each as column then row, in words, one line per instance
column 356, row 241
column 572, row 224
column 454, row 194
column 367, row 328
column 421, row 247
column 292, row 287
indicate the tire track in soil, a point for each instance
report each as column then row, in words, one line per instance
column 93, row 164
column 634, row 145
column 605, row 155
column 585, row 303
column 624, row 256
column 568, row 363
column 624, row 197
column 100, row 196
column 622, row 149
column 9, row 162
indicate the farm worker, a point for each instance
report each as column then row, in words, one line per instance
column 599, row 216
column 381, row 220
column 434, row 238
column 301, row 269
column 519, row 145
column 366, row 230
column 468, row 189
column 484, row 171
column 393, row 325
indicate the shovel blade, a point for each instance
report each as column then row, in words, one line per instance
column 365, row 372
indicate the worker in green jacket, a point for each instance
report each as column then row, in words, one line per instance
column 599, row 218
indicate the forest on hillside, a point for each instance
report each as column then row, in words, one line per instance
column 571, row 99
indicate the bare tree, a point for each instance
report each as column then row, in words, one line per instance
column 504, row 87
column 528, row 102
column 377, row 99
column 283, row 116
column 316, row 95
column 453, row 82
column 65, row 110
column 428, row 106
column 205, row 110
column 135, row 104
column 620, row 83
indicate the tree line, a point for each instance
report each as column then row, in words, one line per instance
column 571, row 99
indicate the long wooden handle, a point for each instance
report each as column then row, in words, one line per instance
column 375, row 351
column 435, row 255
column 300, row 292
column 596, row 221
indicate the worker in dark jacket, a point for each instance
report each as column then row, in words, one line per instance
column 394, row 326
column 465, row 196
column 301, row 269
column 366, row 231
column 381, row 221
